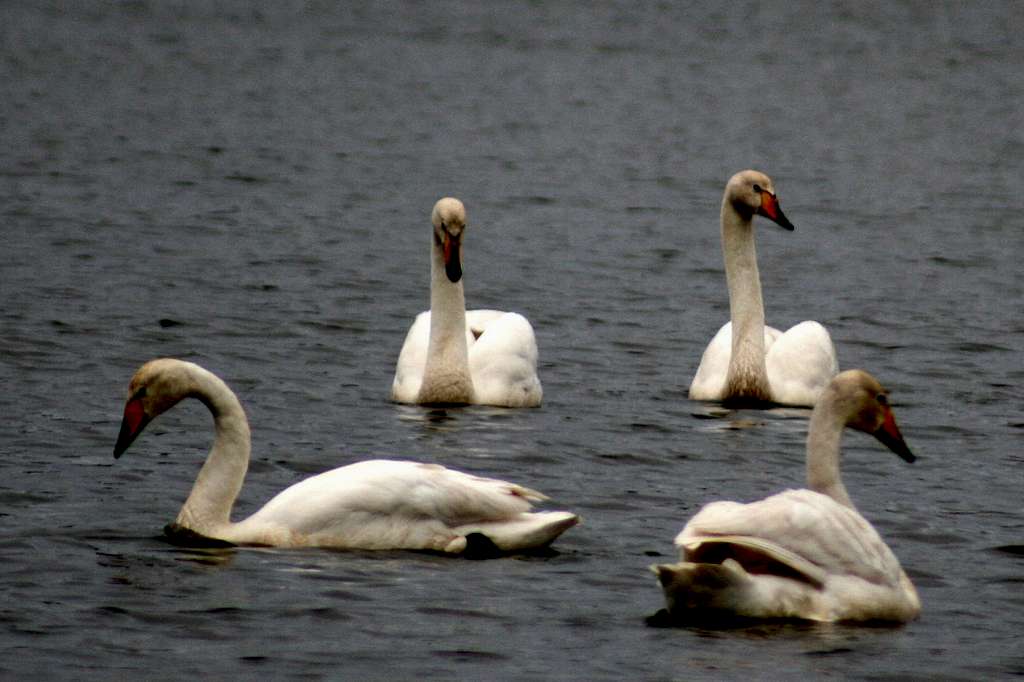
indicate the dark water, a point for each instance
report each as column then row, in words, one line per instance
column 248, row 186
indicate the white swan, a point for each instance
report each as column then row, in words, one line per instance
column 451, row 356
column 375, row 504
column 802, row 553
column 747, row 362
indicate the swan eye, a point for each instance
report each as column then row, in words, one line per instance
column 882, row 399
column 757, row 188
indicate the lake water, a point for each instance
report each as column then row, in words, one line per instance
column 248, row 185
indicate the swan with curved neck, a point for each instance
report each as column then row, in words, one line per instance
column 452, row 356
column 374, row 504
column 747, row 362
column 806, row 553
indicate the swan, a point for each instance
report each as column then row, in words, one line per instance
column 452, row 356
column 804, row 554
column 374, row 504
column 747, row 362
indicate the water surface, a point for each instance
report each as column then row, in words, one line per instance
column 248, row 186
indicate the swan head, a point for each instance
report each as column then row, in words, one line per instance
column 156, row 387
column 449, row 220
column 751, row 192
column 860, row 399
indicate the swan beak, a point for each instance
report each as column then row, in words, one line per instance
column 132, row 424
column 889, row 435
column 451, row 248
column 771, row 210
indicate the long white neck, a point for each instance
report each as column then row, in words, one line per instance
column 446, row 377
column 748, row 374
column 824, row 433
column 207, row 510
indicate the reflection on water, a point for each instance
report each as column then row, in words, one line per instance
column 436, row 418
column 832, row 635
column 717, row 418
column 207, row 556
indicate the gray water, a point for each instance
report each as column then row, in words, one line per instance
column 248, row 185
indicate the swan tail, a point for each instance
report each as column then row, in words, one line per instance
column 526, row 531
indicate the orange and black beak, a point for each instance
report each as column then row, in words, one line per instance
column 771, row 210
column 132, row 424
column 451, row 249
column 889, row 435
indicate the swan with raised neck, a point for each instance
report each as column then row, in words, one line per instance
column 747, row 362
column 373, row 504
column 446, row 378
column 801, row 553
column 452, row 356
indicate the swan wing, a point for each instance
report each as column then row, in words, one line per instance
column 803, row 530
column 412, row 360
column 756, row 555
column 503, row 359
column 800, row 364
column 709, row 381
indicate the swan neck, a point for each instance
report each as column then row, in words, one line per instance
column 748, row 373
column 207, row 510
column 446, row 377
column 447, row 303
column 823, row 453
